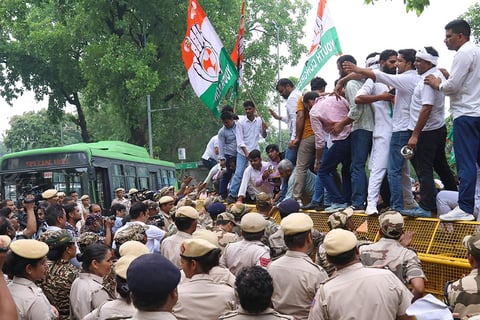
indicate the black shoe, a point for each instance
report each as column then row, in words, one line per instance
column 313, row 206
column 231, row 199
column 358, row 208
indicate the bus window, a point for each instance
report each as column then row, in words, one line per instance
column 142, row 174
column 154, row 181
column 171, row 177
column 164, row 178
column 100, row 194
column 118, row 178
column 130, row 176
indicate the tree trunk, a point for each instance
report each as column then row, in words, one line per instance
column 81, row 118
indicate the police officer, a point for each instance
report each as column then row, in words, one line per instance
column 389, row 252
column 355, row 291
column 198, row 256
column 186, row 219
column 462, row 295
column 224, row 229
column 293, row 294
column 145, row 282
column 254, row 288
column 250, row 251
column 26, row 264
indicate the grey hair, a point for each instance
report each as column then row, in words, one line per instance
column 285, row 165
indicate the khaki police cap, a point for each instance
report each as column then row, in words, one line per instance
column 391, row 223
column 132, row 191
column 166, row 199
column 122, row 264
column 296, row 223
column 253, row 222
column 119, row 189
column 225, row 216
column 4, row 242
column 238, row 209
column 61, row 194
column 48, row 194
column 205, row 234
column 263, row 197
column 193, row 248
column 338, row 241
column 133, row 248
column 29, row 248
column 84, row 197
column 339, row 219
column 472, row 244
column 187, row 212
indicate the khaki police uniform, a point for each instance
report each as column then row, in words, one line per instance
column 295, row 281
column 463, row 297
column 224, row 238
column 170, row 247
column 241, row 314
column 30, row 301
column 202, row 298
column 118, row 308
column 403, row 262
column 87, row 293
column 361, row 293
column 154, row 315
column 243, row 254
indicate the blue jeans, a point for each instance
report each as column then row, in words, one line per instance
column 227, row 175
column 361, row 146
column 394, row 168
column 291, row 154
column 242, row 163
column 318, row 195
column 339, row 152
column 466, row 142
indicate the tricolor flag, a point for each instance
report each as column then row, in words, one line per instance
column 325, row 44
column 209, row 68
column 237, row 53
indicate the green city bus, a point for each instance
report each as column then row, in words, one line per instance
column 94, row 169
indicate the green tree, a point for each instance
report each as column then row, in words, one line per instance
column 32, row 130
column 105, row 57
column 411, row 5
column 472, row 15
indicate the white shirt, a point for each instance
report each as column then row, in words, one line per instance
column 248, row 133
column 154, row 235
column 291, row 107
column 424, row 94
column 382, row 109
column 404, row 85
column 250, row 176
column 463, row 84
column 210, row 150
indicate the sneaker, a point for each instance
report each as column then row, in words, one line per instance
column 358, row 208
column 457, row 214
column 412, row 205
column 231, row 199
column 417, row 212
column 336, row 207
column 371, row 210
column 313, row 206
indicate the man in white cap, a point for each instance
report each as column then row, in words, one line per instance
column 429, row 133
column 250, row 251
column 296, row 277
column 389, row 252
column 186, row 219
column 51, row 196
column 357, row 292
column 120, row 198
column 166, row 204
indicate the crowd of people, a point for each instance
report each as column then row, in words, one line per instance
column 389, row 114
column 175, row 258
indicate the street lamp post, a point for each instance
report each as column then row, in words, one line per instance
column 278, row 94
column 149, row 122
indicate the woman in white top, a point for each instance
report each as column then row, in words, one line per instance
column 87, row 291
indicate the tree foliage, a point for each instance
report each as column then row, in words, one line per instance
column 411, row 5
column 33, row 130
column 473, row 17
column 105, row 57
